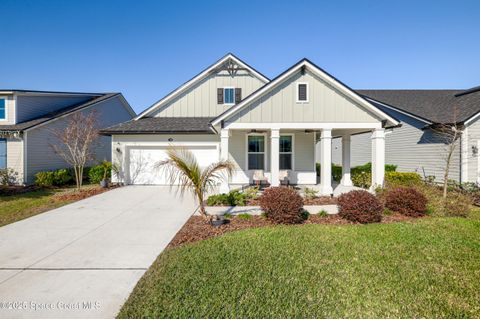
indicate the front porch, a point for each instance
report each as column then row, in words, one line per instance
column 276, row 154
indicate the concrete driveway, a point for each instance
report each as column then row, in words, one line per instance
column 83, row 260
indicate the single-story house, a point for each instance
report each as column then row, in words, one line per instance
column 28, row 120
column 269, row 128
column 414, row 147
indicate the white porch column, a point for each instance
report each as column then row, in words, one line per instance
column 346, row 180
column 326, row 162
column 224, row 136
column 275, row 157
column 378, row 157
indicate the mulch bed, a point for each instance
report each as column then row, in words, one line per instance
column 75, row 195
column 17, row 189
column 197, row 228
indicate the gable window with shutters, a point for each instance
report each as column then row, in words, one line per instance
column 302, row 92
column 229, row 95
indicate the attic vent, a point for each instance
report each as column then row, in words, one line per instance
column 302, row 92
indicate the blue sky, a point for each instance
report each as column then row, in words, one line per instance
column 145, row 49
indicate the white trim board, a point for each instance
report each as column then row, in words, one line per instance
column 318, row 72
column 302, row 126
column 198, row 78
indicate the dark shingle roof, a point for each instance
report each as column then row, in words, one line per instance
column 165, row 125
column 438, row 106
column 50, row 116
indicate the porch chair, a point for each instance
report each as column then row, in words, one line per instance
column 259, row 179
column 284, row 178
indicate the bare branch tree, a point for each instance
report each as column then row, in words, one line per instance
column 77, row 141
column 450, row 134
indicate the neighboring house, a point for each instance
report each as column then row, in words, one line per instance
column 414, row 147
column 269, row 128
column 29, row 118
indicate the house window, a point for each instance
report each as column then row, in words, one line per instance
column 3, row 153
column 3, row 111
column 228, row 95
column 286, row 152
column 302, row 92
column 256, row 152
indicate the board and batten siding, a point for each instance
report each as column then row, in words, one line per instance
column 15, row 156
column 409, row 147
column 40, row 154
column 9, row 110
column 33, row 106
column 201, row 99
column 325, row 104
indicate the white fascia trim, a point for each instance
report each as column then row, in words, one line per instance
column 321, row 75
column 70, row 113
column 279, row 126
column 472, row 119
column 199, row 77
column 399, row 111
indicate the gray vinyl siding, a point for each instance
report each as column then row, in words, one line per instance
column 201, row 99
column 325, row 104
column 473, row 132
column 40, row 154
column 10, row 110
column 30, row 107
column 409, row 147
column 15, row 156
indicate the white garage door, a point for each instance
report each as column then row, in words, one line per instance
column 143, row 168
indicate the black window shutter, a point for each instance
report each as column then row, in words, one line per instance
column 238, row 95
column 220, row 95
column 302, row 92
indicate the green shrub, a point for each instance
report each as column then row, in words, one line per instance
column 53, row 178
column 233, row 198
column 336, row 171
column 97, row 173
column 402, row 179
column 251, row 192
column 310, row 192
column 244, row 216
column 362, row 179
column 8, row 176
column 322, row 213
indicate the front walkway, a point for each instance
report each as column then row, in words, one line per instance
column 85, row 258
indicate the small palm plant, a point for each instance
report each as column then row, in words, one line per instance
column 183, row 169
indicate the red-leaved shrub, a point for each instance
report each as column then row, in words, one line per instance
column 360, row 206
column 282, row 205
column 406, row 201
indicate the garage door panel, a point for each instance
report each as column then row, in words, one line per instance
column 144, row 163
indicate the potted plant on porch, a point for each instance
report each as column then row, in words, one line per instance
column 107, row 167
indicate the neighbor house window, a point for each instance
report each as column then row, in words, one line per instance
column 3, row 111
column 3, row 153
column 256, row 152
column 229, row 95
column 286, row 152
column 302, row 92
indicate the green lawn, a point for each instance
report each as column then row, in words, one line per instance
column 429, row 268
column 17, row 207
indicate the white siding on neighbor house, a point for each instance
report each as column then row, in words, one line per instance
column 409, row 147
column 9, row 110
column 201, row 99
column 32, row 106
column 15, row 156
column 40, row 154
column 473, row 132
column 325, row 104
